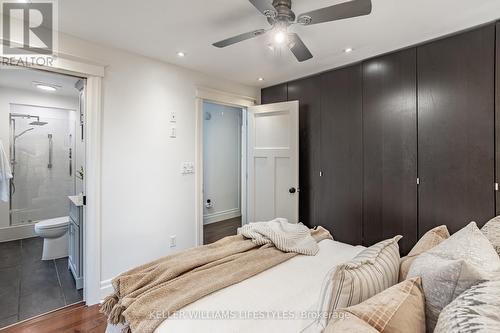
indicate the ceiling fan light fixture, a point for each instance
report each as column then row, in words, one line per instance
column 280, row 37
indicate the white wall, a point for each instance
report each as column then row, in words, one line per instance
column 221, row 162
column 145, row 198
column 7, row 96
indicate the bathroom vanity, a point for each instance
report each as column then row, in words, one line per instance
column 75, row 246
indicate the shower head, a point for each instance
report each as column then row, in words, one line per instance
column 38, row 123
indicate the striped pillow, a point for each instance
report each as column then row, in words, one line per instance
column 370, row 272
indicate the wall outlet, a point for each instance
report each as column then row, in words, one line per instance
column 173, row 132
column 173, row 241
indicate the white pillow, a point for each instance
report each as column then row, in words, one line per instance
column 492, row 231
column 450, row 268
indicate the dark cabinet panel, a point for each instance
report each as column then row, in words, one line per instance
column 497, row 116
column 341, row 186
column 390, row 148
column 456, row 130
column 307, row 92
column 274, row 94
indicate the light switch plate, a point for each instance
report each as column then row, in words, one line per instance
column 173, row 117
column 187, row 168
column 173, row 132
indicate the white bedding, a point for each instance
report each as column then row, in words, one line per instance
column 273, row 301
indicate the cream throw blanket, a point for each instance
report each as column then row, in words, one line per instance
column 147, row 295
column 285, row 236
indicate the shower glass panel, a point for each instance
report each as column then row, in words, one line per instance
column 41, row 142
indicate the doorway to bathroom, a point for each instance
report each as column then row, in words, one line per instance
column 42, row 172
column 223, row 161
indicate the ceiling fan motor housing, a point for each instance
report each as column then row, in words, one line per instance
column 284, row 11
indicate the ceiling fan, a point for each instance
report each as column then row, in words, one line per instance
column 280, row 16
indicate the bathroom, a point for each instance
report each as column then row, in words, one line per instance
column 42, row 163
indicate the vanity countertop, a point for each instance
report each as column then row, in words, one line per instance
column 77, row 200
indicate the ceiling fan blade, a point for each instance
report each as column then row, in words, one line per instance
column 264, row 6
column 239, row 38
column 337, row 12
column 298, row 48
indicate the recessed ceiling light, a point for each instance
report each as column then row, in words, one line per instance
column 45, row 86
column 181, row 54
column 348, row 50
column 260, row 79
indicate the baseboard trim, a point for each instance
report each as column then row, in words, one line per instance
column 106, row 289
column 221, row 216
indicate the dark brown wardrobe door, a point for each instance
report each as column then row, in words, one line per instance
column 390, row 148
column 341, row 190
column 456, row 130
column 274, row 94
column 307, row 92
column 497, row 118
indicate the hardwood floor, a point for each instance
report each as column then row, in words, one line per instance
column 215, row 231
column 76, row 318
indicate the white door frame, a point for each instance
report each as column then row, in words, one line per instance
column 224, row 98
column 71, row 65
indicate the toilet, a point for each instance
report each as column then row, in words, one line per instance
column 55, row 237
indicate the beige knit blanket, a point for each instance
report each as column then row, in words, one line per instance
column 287, row 237
column 147, row 295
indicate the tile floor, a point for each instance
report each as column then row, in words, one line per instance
column 30, row 286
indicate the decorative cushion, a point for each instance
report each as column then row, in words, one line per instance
column 370, row 272
column 477, row 310
column 349, row 324
column 492, row 231
column 452, row 267
column 400, row 308
column 428, row 241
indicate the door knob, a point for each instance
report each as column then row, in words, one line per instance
column 292, row 190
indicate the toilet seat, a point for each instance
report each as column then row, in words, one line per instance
column 53, row 223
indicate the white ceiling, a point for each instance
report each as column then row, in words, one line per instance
column 23, row 78
column 159, row 29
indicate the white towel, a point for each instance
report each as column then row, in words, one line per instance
column 285, row 236
column 5, row 175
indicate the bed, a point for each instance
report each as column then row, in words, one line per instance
column 284, row 298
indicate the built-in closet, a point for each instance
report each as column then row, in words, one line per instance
column 400, row 143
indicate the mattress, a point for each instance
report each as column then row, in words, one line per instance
column 284, row 298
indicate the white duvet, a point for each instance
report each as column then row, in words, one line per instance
column 281, row 299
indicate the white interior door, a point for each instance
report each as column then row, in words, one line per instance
column 273, row 162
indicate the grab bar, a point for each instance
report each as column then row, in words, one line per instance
column 50, row 152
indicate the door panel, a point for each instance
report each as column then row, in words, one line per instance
column 497, row 117
column 308, row 92
column 390, row 148
column 456, row 130
column 273, row 162
column 274, row 94
column 341, row 186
